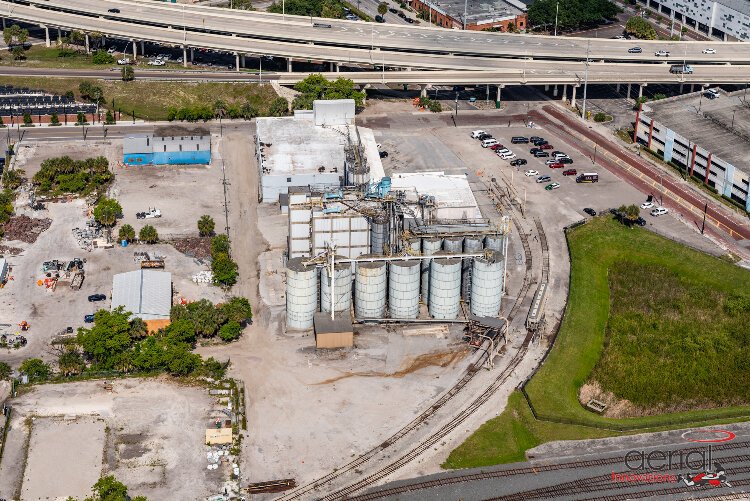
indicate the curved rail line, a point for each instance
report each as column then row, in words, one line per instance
column 445, row 398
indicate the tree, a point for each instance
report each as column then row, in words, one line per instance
column 127, row 233
column 5, row 371
column 206, row 226
column 205, row 317
column 128, row 74
column 17, row 52
column 14, row 35
column 238, row 309
column 640, row 28
column 382, row 8
column 248, row 111
column 54, row 119
column 81, row 118
column 278, row 107
column 35, row 369
column 638, row 102
column 181, row 331
column 109, row 118
column 230, row 331
column 224, row 270
column 571, row 14
column 214, row 369
column 107, row 211
column 242, row 4
column 220, row 108
column 70, row 361
column 102, row 57
column 27, row 119
column 77, row 38
column 138, row 328
column 148, row 235
column 316, row 86
column 110, row 489
column 105, row 343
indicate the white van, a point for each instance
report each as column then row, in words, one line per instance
column 508, row 156
column 476, row 133
column 489, row 142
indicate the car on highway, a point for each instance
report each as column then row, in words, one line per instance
column 519, row 140
column 97, row 297
column 648, row 205
column 635, row 50
column 709, row 50
column 114, row 11
column 570, row 172
column 555, row 165
column 543, row 179
column 661, row 53
column 518, row 162
column 552, row 186
column 531, row 172
column 659, row 211
column 619, row 37
column 111, row 50
column 540, row 154
column 546, row 146
column 88, row 318
column 681, row 68
column 591, row 212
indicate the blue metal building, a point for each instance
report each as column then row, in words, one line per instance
column 170, row 145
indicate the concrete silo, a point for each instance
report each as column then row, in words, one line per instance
column 403, row 289
column 487, row 285
column 445, row 287
column 370, row 288
column 471, row 244
column 429, row 247
column 342, row 281
column 301, row 294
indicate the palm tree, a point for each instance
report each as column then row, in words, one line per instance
column 148, row 235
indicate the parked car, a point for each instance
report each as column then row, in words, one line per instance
column 392, row 11
column 640, row 221
column 712, row 93
column 409, row 20
column 591, row 212
column 486, row 143
column 97, row 297
column 552, row 186
column 709, row 50
column 519, row 140
column 565, row 160
column 559, row 154
column 539, row 142
column 383, row 154
column 530, row 173
column 114, row 11
column 659, row 211
column 484, row 136
column 111, row 50
column 534, row 150
column 156, row 62
column 476, row 133
column 401, row 14
column 541, row 154
column 546, row 146
column 379, row 19
column 556, row 165
column 497, row 146
column 543, row 179
column 88, row 318
column 551, row 161
column 502, row 149
column 124, row 60
column 647, row 205
column 570, row 172
column 661, row 53
column 507, row 156
column 635, row 50
column 518, row 162
column 536, row 138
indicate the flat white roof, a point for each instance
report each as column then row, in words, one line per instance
column 453, row 195
column 147, row 294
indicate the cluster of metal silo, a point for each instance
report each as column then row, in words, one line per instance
column 379, row 234
column 445, row 286
column 370, row 289
column 429, row 247
column 301, row 294
column 471, row 244
column 487, row 284
column 403, row 288
column 342, row 282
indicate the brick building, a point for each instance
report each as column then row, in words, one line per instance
column 480, row 14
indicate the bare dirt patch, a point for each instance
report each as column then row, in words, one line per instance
column 25, row 229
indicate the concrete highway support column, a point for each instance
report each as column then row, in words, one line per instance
column 564, row 92
column 184, row 56
column 422, row 90
column 46, row 34
column 628, row 96
column 192, row 53
column 87, row 43
column 640, row 90
column 546, row 87
column 692, row 88
column 499, row 92
column 237, row 61
column 3, row 23
column 338, row 67
column 289, row 65
column 59, row 34
column 135, row 50
column 143, row 48
column 331, row 67
column 554, row 91
column 242, row 60
column 573, row 97
column 617, row 89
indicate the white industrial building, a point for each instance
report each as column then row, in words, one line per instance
column 316, row 149
column 722, row 19
column 708, row 138
column 452, row 194
column 146, row 294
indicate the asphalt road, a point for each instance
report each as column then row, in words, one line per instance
column 296, row 31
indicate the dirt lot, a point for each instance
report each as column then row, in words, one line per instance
column 148, row 433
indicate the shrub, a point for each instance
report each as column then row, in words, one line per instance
column 230, row 331
column 220, row 245
column 206, row 226
column 109, row 118
column 54, row 119
column 224, row 270
column 81, row 118
column 27, row 119
column 600, row 117
column 640, row 28
column 279, row 107
column 127, row 73
column 35, row 369
column 102, row 57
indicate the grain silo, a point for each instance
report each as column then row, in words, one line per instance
column 342, row 281
column 301, row 294
column 445, row 286
column 370, row 287
column 429, row 247
column 379, row 234
column 453, row 244
column 471, row 244
column 403, row 289
column 487, row 284
column 494, row 242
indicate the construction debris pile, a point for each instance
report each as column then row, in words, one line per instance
column 86, row 236
column 25, row 229
column 13, row 251
column 55, row 271
column 204, row 277
column 149, row 259
column 196, row 247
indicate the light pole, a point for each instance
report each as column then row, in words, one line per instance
column 735, row 111
column 705, row 211
column 557, row 11
column 586, row 79
column 184, row 29
column 466, row 3
column 260, row 68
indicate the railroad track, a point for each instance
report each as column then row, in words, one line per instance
column 545, row 249
column 552, row 491
column 355, row 464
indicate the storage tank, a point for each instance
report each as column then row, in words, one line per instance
column 414, row 246
column 453, row 244
column 429, row 247
column 471, row 244
column 487, row 285
column 370, row 286
column 494, row 242
column 379, row 234
column 403, row 289
column 301, row 294
column 445, row 286
column 342, row 280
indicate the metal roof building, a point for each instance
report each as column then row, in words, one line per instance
column 168, row 145
column 147, row 294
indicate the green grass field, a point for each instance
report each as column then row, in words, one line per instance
column 677, row 320
column 150, row 99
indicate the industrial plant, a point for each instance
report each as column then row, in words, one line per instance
column 370, row 248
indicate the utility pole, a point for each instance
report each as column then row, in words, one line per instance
column 557, row 11
column 466, row 2
column 705, row 210
column 586, row 79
